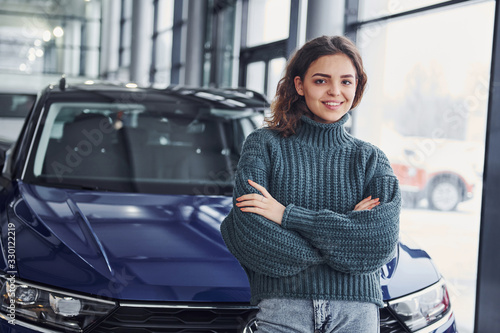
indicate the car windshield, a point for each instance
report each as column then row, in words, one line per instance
column 145, row 148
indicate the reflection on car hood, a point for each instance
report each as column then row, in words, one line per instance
column 150, row 247
column 411, row 270
column 128, row 246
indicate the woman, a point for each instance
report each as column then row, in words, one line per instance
column 316, row 211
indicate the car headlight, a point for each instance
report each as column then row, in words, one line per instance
column 45, row 307
column 424, row 307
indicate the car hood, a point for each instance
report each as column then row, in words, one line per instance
column 127, row 246
column 147, row 247
column 410, row 270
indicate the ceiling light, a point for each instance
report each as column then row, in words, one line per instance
column 58, row 31
column 46, row 36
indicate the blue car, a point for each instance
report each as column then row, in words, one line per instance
column 110, row 206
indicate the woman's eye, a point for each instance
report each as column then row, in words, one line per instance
column 347, row 82
column 319, row 81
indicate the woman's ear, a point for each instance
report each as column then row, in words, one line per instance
column 298, row 85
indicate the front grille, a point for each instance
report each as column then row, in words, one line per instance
column 168, row 319
column 389, row 324
column 198, row 318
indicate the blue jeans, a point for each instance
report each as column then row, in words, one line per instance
column 318, row 316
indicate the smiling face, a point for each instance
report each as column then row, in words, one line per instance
column 329, row 87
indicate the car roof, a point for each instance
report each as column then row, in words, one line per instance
column 214, row 98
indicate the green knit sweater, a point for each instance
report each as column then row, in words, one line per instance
column 323, row 249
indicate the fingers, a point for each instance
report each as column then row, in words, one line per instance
column 374, row 204
column 250, row 200
column 263, row 204
column 362, row 202
column 367, row 203
column 255, row 196
column 260, row 188
column 250, row 197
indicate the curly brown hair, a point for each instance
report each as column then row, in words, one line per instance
column 288, row 106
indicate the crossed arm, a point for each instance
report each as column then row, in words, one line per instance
column 265, row 205
column 262, row 245
column 271, row 239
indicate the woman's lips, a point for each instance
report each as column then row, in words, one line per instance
column 332, row 105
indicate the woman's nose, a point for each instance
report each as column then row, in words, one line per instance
column 334, row 90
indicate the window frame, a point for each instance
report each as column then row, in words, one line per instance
column 487, row 285
column 269, row 51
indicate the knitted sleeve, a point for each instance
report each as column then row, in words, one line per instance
column 258, row 243
column 358, row 241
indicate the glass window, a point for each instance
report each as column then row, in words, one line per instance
column 16, row 105
column 165, row 14
column 21, row 46
column 162, row 77
column 256, row 73
column 126, row 33
column 127, row 9
column 276, row 67
column 426, row 107
column 268, row 21
column 57, row 39
column 164, row 50
column 221, row 34
column 375, row 9
column 163, row 42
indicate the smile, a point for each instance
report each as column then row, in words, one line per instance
column 333, row 103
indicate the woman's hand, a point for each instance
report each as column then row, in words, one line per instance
column 367, row 203
column 264, row 205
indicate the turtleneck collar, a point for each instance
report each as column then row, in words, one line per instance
column 323, row 135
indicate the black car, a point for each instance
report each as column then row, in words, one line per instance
column 110, row 208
